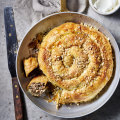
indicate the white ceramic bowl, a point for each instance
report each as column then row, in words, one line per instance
column 104, row 13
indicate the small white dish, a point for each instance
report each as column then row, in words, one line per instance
column 104, row 13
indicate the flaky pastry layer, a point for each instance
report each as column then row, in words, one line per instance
column 78, row 59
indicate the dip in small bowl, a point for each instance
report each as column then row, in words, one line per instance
column 105, row 7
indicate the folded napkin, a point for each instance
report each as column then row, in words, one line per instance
column 29, row 12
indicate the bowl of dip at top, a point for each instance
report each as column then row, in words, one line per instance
column 105, row 7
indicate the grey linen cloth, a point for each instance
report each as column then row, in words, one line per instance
column 29, row 12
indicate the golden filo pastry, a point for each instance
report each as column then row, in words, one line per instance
column 78, row 59
column 29, row 65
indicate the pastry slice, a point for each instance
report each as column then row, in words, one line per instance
column 29, row 65
column 37, row 85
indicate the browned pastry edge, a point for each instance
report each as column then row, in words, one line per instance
column 29, row 65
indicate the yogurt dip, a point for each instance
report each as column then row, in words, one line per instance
column 105, row 6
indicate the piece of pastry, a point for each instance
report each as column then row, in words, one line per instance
column 37, row 85
column 78, row 59
column 29, row 65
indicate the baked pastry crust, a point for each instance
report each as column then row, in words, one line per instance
column 78, row 59
column 29, row 65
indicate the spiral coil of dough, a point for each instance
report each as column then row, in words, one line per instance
column 78, row 59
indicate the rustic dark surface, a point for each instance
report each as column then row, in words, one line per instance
column 110, row 111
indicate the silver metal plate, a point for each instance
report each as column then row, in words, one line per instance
column 43, row 25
